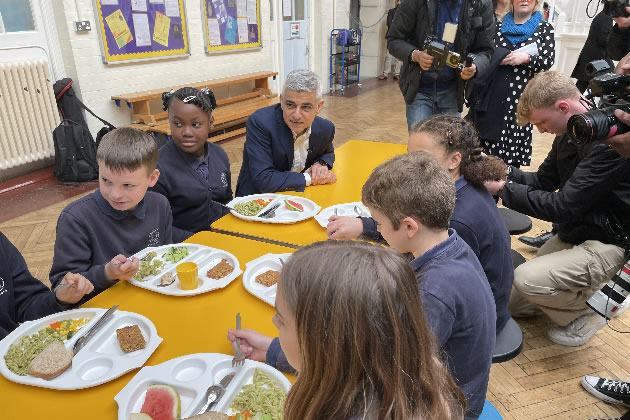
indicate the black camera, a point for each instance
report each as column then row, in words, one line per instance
column 442, row 56
column 616, row 8
column 599, row 124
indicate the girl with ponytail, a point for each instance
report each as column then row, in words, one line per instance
column 194, row 173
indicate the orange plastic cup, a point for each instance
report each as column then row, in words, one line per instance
column 187, row 275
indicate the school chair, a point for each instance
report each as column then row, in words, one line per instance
column 509, row 341
column 516, row 223
column 489, row 412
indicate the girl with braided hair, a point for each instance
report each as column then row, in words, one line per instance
column 453, row 141
column 194, row 173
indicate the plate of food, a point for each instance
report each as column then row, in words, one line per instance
column 261, row 276
column 216, row 268
column 273, row 208
column 346, row 209
column 39, row 352
column 180, row 385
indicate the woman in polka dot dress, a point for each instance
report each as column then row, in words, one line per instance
column 522, row 26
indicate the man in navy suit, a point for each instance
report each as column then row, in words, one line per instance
column 288, row 147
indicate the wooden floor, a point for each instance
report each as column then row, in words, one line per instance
column 542, row 382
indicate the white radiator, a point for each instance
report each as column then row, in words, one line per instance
column 28, row 113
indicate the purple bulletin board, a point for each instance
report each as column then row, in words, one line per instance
column 134, row 30
column 231, row 24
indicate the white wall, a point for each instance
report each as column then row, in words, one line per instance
column 374, row 21
column 98, row 81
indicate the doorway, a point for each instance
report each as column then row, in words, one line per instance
column 295, row 35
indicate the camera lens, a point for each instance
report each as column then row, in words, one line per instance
column 597, row 124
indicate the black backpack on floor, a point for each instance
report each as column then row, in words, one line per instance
column 75, row 149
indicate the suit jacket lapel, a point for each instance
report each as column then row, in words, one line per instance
column 286, row 138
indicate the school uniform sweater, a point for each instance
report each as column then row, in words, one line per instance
column 22, row 297
column 459, row 308
column 477, row 221
column 189, row 192
column 90, row 233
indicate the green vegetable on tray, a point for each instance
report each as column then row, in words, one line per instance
column 248, row 208
column 148, row 268
column 176, row 254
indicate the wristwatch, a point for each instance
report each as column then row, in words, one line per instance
column 323, row 163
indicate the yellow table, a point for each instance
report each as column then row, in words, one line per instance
column 196, row 324
column 354, row 161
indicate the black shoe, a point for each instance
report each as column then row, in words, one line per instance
column 536, row 241
column 611, row 391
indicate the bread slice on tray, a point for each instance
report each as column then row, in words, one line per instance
column 51, row 362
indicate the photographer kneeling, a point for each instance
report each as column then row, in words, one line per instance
column 590, row 206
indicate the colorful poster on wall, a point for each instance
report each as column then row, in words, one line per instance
column 119, row 28
column 161, row 29
column 158, row 28
column 231, row 24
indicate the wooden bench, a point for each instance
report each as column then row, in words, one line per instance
column 231, row 112
column 225, row 117
column 139, row 102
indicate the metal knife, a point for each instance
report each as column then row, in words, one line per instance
column 82, row 341
column 223, row 205
column 215, row 392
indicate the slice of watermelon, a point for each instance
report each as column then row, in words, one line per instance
column 293, row 206
column 162, row 403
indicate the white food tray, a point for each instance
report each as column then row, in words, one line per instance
column 191, row 376
column 345, row 209
column 283, row 215
column 204, row 256
column 258, row 266
column 100, row 361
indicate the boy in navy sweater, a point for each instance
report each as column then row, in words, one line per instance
column 413, row 217
column 194, row 174
column 24, row 298
column 457, row 299
column 97, row 233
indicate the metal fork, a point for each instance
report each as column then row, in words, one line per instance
column 270, row 213
column 239, row 357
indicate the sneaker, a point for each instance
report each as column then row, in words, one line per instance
column 396, row 77
column 614, row 392
column 536, row 241
column 578, row 332
column 382, row 77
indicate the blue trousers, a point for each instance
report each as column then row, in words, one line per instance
column 422, row 106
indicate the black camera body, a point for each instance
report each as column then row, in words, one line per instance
column 442, row 56
column 599, row 124
column 616, row 8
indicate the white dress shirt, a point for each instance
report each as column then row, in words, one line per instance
column 300, row 152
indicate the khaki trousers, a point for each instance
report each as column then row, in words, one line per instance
column 562, row 278
column 391, row 61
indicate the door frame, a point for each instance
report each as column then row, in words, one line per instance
column 44, row 20
column 279, row 34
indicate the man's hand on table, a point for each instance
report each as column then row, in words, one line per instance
column 78, row 287
column 121, row 268
column 254, row 345
column 344, row 227
column 320, row 174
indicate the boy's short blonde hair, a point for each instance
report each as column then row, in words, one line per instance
column 412, row 185
column 128, row 149
column 543, row 91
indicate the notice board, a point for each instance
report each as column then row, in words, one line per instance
column 133, row 30
column 231, row 24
